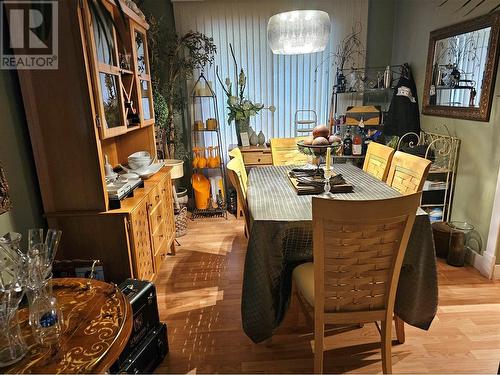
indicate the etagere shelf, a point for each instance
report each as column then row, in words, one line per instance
column 204, row 106
column 443, row 151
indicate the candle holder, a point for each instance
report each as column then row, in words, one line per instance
column 327, row 188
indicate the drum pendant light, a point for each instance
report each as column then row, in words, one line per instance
column 298, row 32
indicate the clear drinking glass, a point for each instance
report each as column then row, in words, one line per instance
column 35, row 237
column 12, row 346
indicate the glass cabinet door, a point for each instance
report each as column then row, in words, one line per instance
column 146, row 102
column 107, row 80
column 142, row 63
column 143, row 76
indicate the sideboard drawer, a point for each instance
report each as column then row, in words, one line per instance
column 257, row 158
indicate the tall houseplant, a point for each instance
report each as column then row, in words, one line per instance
column 173, row 60
column 240, row 109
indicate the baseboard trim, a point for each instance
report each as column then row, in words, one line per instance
column 485, row 264
column 496, row 272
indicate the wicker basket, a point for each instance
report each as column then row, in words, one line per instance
column 181, row 221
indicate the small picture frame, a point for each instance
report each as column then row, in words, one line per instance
column 245, row 140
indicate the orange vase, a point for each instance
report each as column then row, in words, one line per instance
column 202, row 161
column 201, row 187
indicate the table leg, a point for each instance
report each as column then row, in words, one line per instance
column 400, row 329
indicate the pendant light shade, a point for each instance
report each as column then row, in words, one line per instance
column 298, row 32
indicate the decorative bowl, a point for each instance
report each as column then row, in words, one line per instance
column 139, row 160
column 140, row 155
column 316, row 150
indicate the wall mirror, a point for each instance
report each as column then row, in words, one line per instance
column 461, row 69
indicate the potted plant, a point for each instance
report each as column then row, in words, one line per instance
column 173, row 59
column 240, row 109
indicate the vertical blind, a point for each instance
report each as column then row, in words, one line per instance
column 290, row 82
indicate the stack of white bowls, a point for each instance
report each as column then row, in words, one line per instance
column 139, row 160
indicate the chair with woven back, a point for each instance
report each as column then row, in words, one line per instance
column 378, row 160
column 408, row 172
column 236, row 173
column 235, row 153
column 285, row 152
column 407, row 175
column 357, row 262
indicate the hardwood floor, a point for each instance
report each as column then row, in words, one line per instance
column 199, row 292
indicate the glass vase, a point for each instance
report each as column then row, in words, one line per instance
column 47, row 320
column 12, row 346
column 242, row 126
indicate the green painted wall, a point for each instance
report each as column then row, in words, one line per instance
column 380, row 33
column 479, row 158
column 17, row 159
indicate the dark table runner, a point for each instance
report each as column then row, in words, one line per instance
column 281, row 238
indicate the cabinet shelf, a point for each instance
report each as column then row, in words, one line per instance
column 126, row 72
column 367, row 91
column 454, row 88
column 348, row 156
column 440, row 170
column 209, row 212
column 208, row 167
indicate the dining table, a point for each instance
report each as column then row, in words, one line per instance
column 281, row 238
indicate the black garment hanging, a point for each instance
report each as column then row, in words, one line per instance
column 403, row 115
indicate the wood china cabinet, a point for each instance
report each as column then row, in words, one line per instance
column 99, row 102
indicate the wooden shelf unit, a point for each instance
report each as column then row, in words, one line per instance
column 76, row 115
column 445, row 149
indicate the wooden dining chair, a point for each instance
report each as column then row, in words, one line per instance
column 408, row 172
column 407, row 175
column 235, row 153
column 357, row 261
column 235, row 174
column 285, row 152
column 378, row 160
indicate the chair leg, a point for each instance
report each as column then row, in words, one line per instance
column 400, row 329
column 386, row 346
column 319, row 333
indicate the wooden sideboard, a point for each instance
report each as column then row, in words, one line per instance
column 132, row 241
column 255, row 156
column 80, row 113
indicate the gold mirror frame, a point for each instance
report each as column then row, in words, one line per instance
column 481, row 113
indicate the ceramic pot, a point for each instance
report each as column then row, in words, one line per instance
column 261, row 138
column 254, row 139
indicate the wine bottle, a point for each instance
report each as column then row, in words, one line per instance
column 348, row 143
column 356, row 145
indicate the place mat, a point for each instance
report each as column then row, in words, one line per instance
column 312, row 185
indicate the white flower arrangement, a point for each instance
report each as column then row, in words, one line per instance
column 239, row 107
